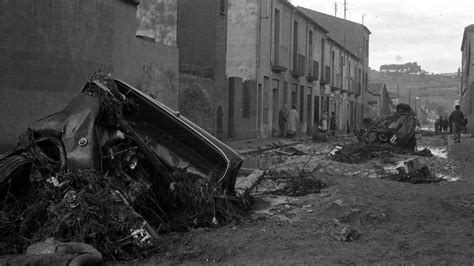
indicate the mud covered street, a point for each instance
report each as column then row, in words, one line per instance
column 357, row 218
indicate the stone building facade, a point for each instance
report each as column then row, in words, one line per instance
column 50, row 48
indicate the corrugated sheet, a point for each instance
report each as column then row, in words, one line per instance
column 12, row 163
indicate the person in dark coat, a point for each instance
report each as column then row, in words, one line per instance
column 437, row 125
column 332, row 124
column 445, row 124
column 457, row 118
column 283, row 120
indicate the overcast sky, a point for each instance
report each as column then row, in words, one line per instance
column 425, row 31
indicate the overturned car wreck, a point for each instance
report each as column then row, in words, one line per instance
column 113, row 169
column 397, row 129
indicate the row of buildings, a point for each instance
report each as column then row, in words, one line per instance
column 228, row 65
column 265, row 54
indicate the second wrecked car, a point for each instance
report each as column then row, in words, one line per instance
column 397, row 129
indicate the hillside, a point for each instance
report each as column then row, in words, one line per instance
column 437, row 93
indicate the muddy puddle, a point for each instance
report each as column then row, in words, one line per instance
column 440, row 152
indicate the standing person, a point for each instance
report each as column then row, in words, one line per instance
column 457, row 118
column 293, row 118
column 439, row 124
column 283, row 120
column 332, row 124
column 444, row 124
column 324, row 122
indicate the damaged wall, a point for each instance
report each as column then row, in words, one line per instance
column 157, row 19
column 195, row 102
column 148, row 66
column 242, row 42
column 202, row 37
column 51, row 48
column 47, row 52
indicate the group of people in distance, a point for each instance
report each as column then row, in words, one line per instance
column 442, row 124
column 455, row 123
column 288, row 122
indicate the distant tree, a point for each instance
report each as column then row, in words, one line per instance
column 409, row 68
column 459, row 72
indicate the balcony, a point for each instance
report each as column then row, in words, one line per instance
column 351, row 86
column 281, row 59
column 358, row 89
column 336, row 83
column 313, row 71
column 326, row 76
column 299, row 66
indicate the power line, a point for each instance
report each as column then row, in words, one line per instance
column 404, row 16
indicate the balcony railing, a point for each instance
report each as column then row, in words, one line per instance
column 299, row 67
column 313, row 71
column 358, row 89
column 326, row 76
column 351, row 86
column 337, row 82
column 280, row 62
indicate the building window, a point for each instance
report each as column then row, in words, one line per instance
column 366, row 77
column 310, row 45
column 246, row 100
column 222, row 7
column 301, row 103
column 333, row 60
column 276, row 40
column 285, row 92
column 294, row 92
column 323, row 47
column 367, row 47
column 295, row 46
column 310, row 54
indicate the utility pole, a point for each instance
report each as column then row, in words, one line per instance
column 335, row 9
column 345, row 9
column 409, row 97
column 416, row 105
column 363, row 16
column 398, row 91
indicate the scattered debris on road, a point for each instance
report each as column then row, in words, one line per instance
column 417, row 176
column 343, row 232
column 360, row 152
column 302, row 184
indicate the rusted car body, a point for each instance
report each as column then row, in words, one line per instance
column 113, row 127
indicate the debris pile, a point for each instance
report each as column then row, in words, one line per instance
column 92, row 173
column 119, row 217
column 343, row 232
column 417, row 176
column 302, row 184
column 360, row 152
